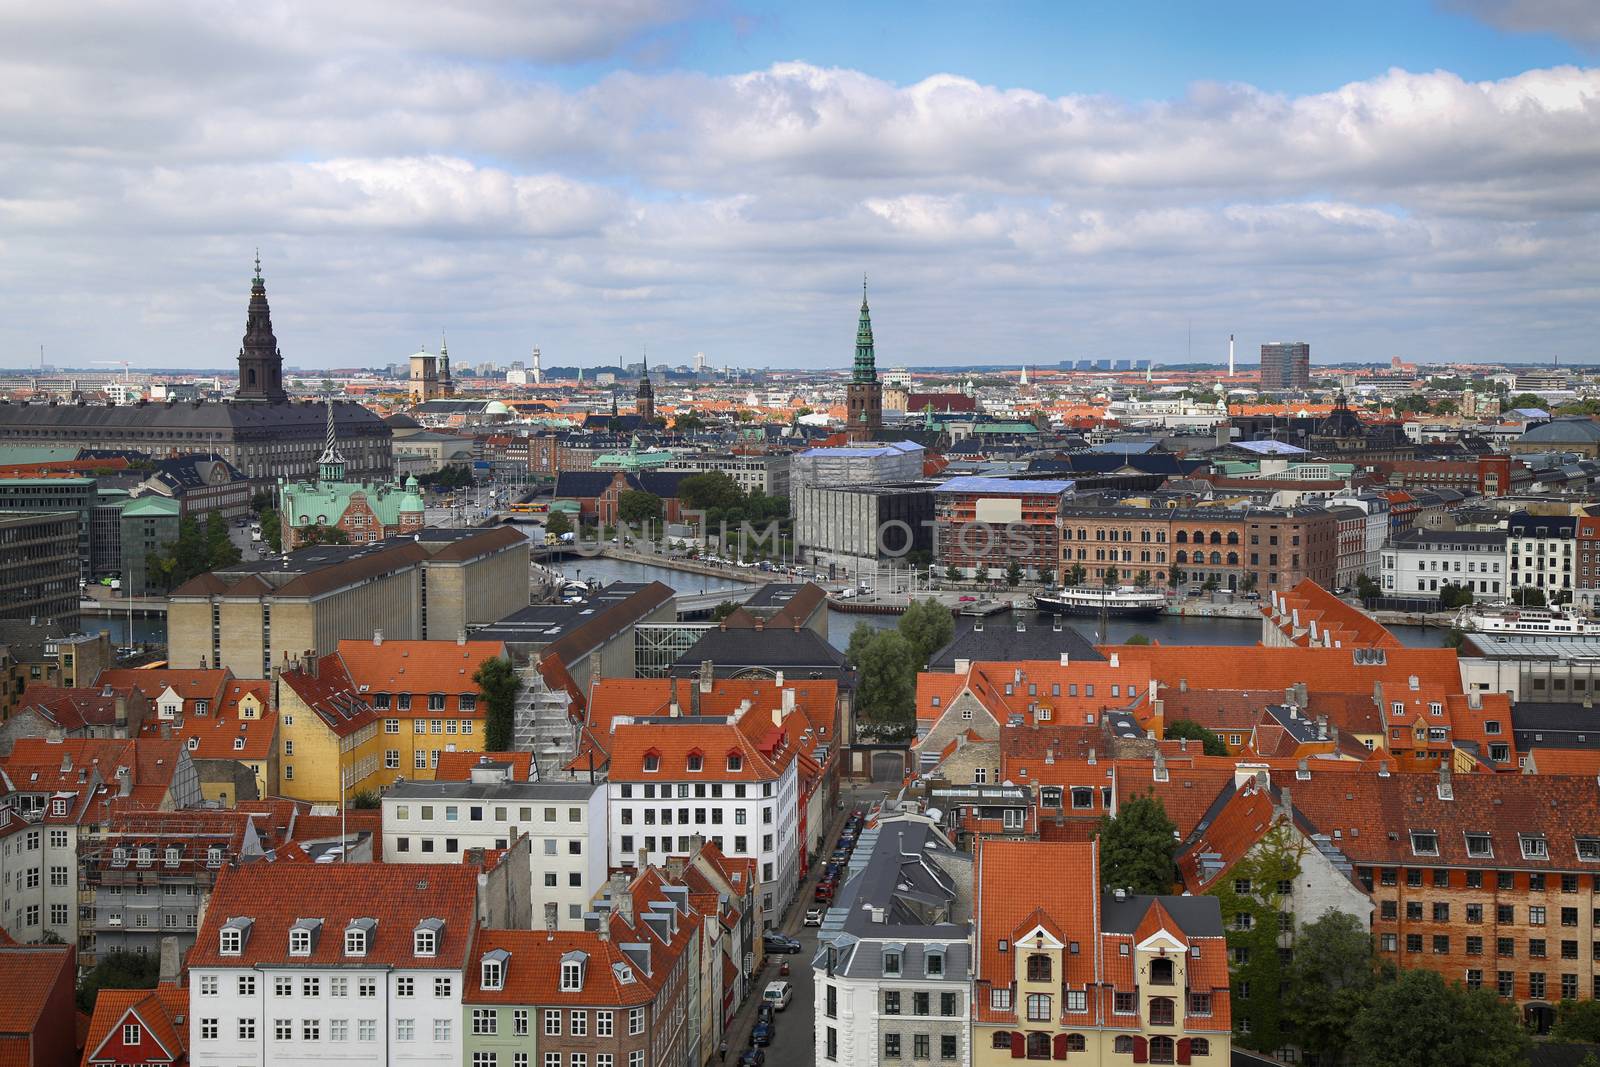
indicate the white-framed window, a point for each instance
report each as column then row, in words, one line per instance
column 485, row 1021
column 247, row 985
column 405, row 987
column 424, row 943
column 494, row 974
column 405, row 1029
column 602, row 1024
column 552, row 1023
column 208, row 1029
column 208, row 985
column 366, row 1029
column 578, row 1023
column 1534, row 846
column 311, row 1029
column 519, row 1022
column 355, row 942
column 338, row 1029
column 635, row 1022
column 443, row 987
column 485, row 1059
column 247, row 1028
column 441, row 1029
column 232, row 941
column 571, row 976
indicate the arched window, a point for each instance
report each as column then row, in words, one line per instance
column 1076, row 1043
column 1123, row 1044
column 1216, row 538
column 1002, row 1039
column 1038, row 967
column 1162, row 1011
column 1216, row 559
column 1039, row 1046
column 1199, row 1046
column 1183, row 537
column 1233, row 559
column 1183, row 557
column 1233, row 538
column 1199, row 537
column 1161, row 971
column 1161, row 1050
column 252, row 376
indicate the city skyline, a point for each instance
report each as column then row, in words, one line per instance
column 1021, row 191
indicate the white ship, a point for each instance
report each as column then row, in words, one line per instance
column 1126, row 601
column 1556, row 622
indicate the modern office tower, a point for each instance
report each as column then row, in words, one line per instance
column 1285, row 365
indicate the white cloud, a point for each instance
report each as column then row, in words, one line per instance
column 1575, row 20
column 402, row 175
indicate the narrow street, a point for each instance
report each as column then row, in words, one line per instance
column 794, row 1045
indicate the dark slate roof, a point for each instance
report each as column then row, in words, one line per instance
column 297, row 417
column 1199, row 916
column 1451, row 537
column 663, row 484
column 624, row 423
column 1555, row 726
column 1110, row 462
column 799, row 652
column 1525, row 525
column 544, row 624
column 401, row 421
column 1000, row 640
column 582, row 485
column 1578, row 430
column 191, row 471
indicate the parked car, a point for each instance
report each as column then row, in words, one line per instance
column 761, row 1034
column 814, row 916
column 779, row 943
column 764, row 1013
column 825, row 890
column 777, row 994
column 754, row 1057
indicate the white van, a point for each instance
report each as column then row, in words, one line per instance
column 777, row 994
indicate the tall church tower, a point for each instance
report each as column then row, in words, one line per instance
column 330, row 468
column 645, row 400
column 446, row 386
column 864, row 394
column 260, row 362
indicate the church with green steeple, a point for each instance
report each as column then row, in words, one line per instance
column 364, row 511
column 864, row 394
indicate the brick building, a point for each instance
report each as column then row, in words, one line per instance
column 984, row 525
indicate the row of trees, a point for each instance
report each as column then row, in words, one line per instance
column 1330, row 995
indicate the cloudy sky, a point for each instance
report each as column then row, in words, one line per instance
column 1021, row 182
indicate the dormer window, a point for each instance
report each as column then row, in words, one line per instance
column 1589, row 849
column 493, row 969
column 201, row 707
column 119, row 857
column 571, row 977
column 58, row 806
column 358, row 936
column 232, row 942
column 425, row 938
column 1424, row 843
column 1534, row 846
column 299, row 942
column 145, row 857
column 933, row 962
column 891, row 963
column 735, row 761
column 171, row 859
column 1480, row 846
column 696, row 762
column 652, row 762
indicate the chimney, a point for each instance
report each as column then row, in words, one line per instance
column 777, row 716
column 120, row 710
column 1322, row 727
column 779, row 680
column 706, row 676
column 1244, row 773
column 694, row 699
column 788, row 702
column 1446, row 784
column 313, row 664
column 461, row 637
column 1285, row 804
column 125, row 785
column 1115, row 660
column 672, row 701
column 1064, row 658
column 171, row 962
column 377, row 638
column 55, row 735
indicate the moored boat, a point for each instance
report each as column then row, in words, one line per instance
column 1123, row 601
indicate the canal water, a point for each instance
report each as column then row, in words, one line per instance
column 1166, row 629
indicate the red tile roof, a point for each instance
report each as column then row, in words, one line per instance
column 456, row 766
column 161, row 1011
column 28, row 974
column 533, row 973
column 398, row 896
column 331, row 695
column 417, row 666
column 1309, row 615
column 191, row 685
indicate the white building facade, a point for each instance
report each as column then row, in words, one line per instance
column 438, row 822
column 1422, row 562
column 1540, row 553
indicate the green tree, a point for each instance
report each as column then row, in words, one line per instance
column 1175, row 577
column 886, row 691
column 1422, row 1021
column 1367, row 589
column 1577, row 1021
column 557, row 523
column 637, row 508
column 1251, row 900
column 1330, row 981
column 1139, row 639
column 1142, row 579
column 271, row 530
column 1524, row 400
column 1013, row 573
column 1136, row 847
column 190, row 555
column 927, row 624
column 688, row 422
column 723, row 610
column 367, row 799
column 951, row 574
column 1454, row 637
column 1528, row 596
column 220, row 549
column 322, row 535
column 1113, row 576
column 711, row 492
column 1076, row 574
column 118, row 969
column 1188, row 729
column 260, row 501
column 1454, row 596
column 498, row 683
column 1249, row 584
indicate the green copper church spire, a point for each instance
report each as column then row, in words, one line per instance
column 866, row 369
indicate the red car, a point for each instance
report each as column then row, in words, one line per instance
column 825, row 890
